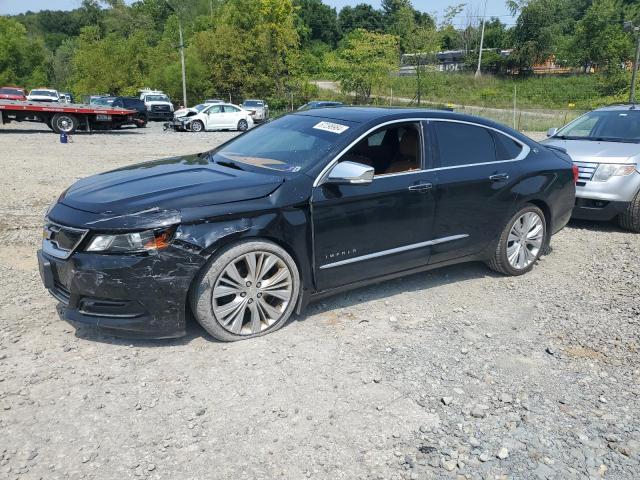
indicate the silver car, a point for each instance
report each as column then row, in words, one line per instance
column 259, row 109
column 605, row 146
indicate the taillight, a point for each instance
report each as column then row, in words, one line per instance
column 576, row 174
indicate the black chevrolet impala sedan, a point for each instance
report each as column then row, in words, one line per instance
column 305, row 206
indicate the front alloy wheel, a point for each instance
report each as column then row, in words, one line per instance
column 521, row 243
column 249, row 290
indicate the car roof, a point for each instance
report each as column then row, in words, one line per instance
column 618, row 107
column 376, row 115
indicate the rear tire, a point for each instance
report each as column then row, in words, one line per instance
column 247, row 290
column 630, row 218
column 197, row 126
column 521, row 243
column 243, row 125
column 64, row 122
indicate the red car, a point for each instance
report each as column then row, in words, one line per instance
column 12, row 93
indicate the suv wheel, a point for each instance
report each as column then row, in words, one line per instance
column 248, row 290
column 521, row 243
column 630, row 218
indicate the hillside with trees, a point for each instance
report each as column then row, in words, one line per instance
column 273, row 48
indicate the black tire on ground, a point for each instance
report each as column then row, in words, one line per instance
column 197, row 126
column 64, row 122
column 499, row 261
column 630, row 218
column 202, row 299
column 243, row 125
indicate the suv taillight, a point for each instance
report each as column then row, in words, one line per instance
column 576, row 174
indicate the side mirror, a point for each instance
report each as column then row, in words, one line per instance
column 350, row 173
column 551, row 132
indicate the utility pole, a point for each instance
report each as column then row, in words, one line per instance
column 184, row 74
column 484, row 21
column 635, row 29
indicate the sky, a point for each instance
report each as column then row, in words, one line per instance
column 494, row 7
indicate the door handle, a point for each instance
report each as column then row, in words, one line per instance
column 499, row 176
column 421, row 187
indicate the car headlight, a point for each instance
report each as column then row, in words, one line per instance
column 135, row 242
column 607, row 170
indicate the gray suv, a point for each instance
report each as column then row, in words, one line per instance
column 605, row 146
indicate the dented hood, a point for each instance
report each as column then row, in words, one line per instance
column 169, row 184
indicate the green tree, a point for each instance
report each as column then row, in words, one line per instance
column 317, row 22
column 22, row 59
column 599, row 39
column 365, row 59
column 533, row 35
column 362, row 16
column 422, row 43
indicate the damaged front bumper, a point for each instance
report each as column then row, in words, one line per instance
column 126, row 295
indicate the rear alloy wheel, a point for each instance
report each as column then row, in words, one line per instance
column 249, row 290
column 243, row 125
column 521, row 243
column 63, row 122
column 630, row 218
column 197, row 126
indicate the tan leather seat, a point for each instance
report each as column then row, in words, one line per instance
column 407, row 157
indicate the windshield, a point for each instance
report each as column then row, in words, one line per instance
column 44, row 93
column 11, row 91
column 289, row 144
column 199, row 108
column 157, row 98
column 609, row 126
column 252, row 103
column 104, row 101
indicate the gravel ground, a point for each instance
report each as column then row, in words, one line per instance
column 456, row 373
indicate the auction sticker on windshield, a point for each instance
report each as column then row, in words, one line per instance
column 331, row 127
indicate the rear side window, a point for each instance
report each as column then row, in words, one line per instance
column 463, row 144
column 230, row 109
column 506, row 148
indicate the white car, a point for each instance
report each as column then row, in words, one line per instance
column 43, row 95
column 219, row 116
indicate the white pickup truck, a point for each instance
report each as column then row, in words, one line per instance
column 159, row 106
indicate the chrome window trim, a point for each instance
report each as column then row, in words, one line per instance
column 523, row 154
column 325, row 171
column 526, row 149
column 391, row 251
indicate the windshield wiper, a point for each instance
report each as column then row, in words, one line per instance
column 614, row 139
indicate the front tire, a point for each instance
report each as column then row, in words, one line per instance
column 197, row 126
column 630, row 218
column 521, row 243
column 248, row 290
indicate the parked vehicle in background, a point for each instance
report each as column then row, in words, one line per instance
column 43, row 95
column 320, row 104
column 66, row 97
column 258, row 108
column 93, row 99
column 139, row 119
column 308, row 205
column 218, row 116
column 605, row 146
column 159, row 106
column 12, row 93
